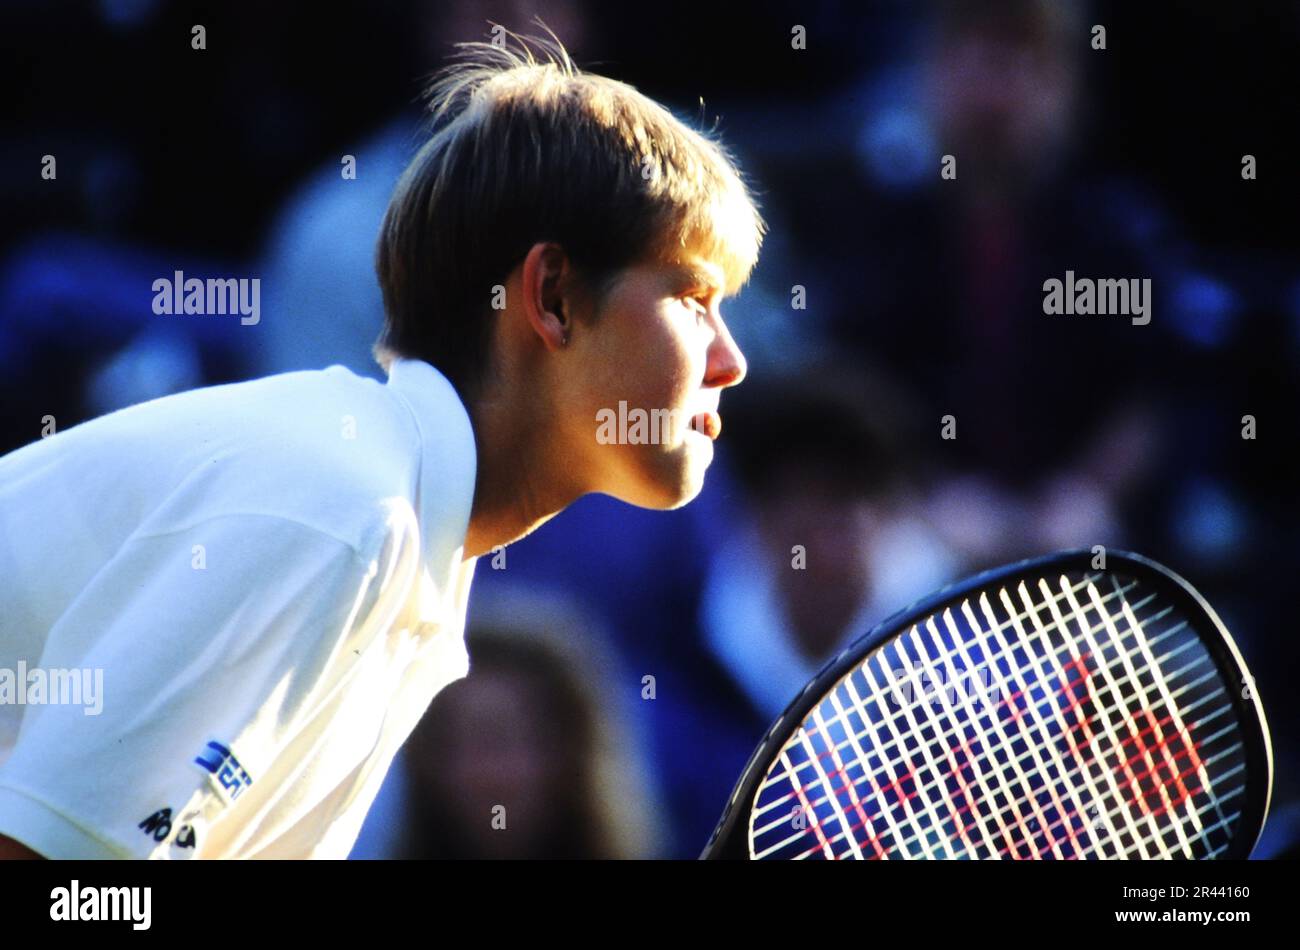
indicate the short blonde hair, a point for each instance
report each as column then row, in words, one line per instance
column 528, row 149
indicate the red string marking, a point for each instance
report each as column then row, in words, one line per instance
column 1196, row 791
column 1075, row 703
column 1162, row 745
column 1071, row 832
column 956, row 770
column 814, row 730
column 1190, row 750
column 855, row 802
column 1184, row 793
column 812, row 817
column 847, row 832
column 1075, row 709
column 865, row 822
column 1058, row 804
column 896, row 784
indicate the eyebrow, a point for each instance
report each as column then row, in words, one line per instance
column 702, row 275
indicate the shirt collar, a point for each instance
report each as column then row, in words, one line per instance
column 448, row 459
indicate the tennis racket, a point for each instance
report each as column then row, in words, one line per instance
column 1046, row 709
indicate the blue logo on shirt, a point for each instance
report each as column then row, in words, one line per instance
column 225, row 769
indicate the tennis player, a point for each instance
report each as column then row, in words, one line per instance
column 271, row 578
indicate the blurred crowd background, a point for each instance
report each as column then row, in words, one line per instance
column 624, row 662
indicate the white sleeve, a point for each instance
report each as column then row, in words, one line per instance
column 188, row 645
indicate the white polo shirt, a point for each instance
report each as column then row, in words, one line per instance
column 265, row 578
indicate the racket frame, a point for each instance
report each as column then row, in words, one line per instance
column 730, row 838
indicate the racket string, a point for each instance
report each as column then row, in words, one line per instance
column 1163, row 753
column 980, row 667
column 1051, row 825
column 1033, row 794
column 1064, row 774
column 860, row 709
column 995, row 629
column 1074, row 771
